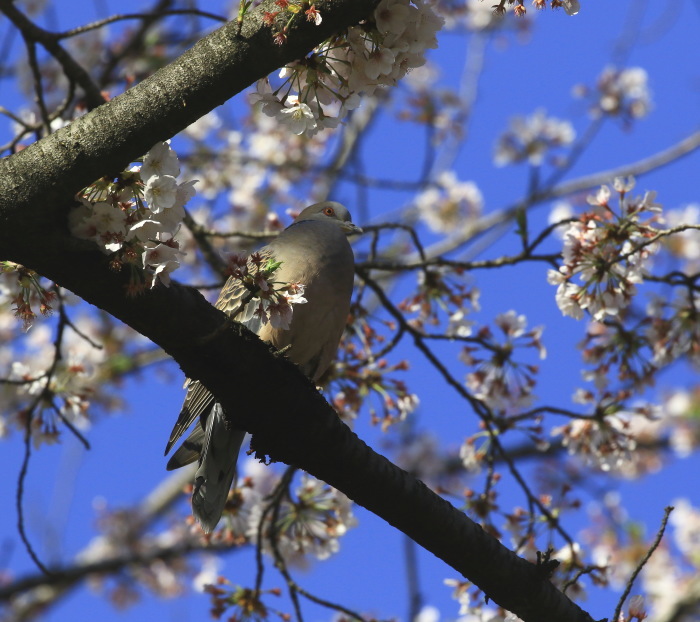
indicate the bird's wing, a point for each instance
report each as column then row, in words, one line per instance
column 198, row 400
column 190, row 449
column 235, row 300
column 215, row 474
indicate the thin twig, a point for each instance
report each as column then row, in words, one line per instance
column 135, row 43
column 38, row 85
column 34, row 34
column 642, row 563
column 20, row 491
column 478, row 406
column 129, row 16
column 70, row 426
column 275, row 497
column 294, row 588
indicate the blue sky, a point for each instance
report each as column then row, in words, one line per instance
column 522, row 72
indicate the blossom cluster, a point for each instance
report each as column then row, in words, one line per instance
column 27, row 293
column 449, row 204
column 46, row 385
column 136, row 217
column 470, row 14
column 267, row 162
column 624, row 441
column 363, row 375
column 439, row 294
column 252, row 297
column 605, row 253
column 571, row 7
column 669, row 576
column 318, row 91
column 473, row 606
column 480, row 15
column 685, row 244
column 359, row 376
column 529, row 139
column 503, row 384
column 303, row 524
column 126, row 531
column 616, row 348
column 306, row 524
column 622, row 93
column 674, row 327
column 242, row 603
column 604, row 443
column 64, row 394
column 680, row 409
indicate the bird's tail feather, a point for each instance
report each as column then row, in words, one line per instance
column 217, row 467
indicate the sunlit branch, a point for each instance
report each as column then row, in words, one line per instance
column 499, row 217
column 132, row 16
column 41, row 590
column 33, row 33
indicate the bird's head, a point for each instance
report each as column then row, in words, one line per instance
column 330, row 211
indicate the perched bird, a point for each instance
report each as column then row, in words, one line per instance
column 315, row 252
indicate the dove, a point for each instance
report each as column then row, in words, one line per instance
column 314, row 251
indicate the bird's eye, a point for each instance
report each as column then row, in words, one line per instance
column 329, row 211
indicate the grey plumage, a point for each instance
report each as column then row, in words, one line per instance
column 314, row 251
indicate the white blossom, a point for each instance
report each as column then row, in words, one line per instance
column 162, row 258
column 619, row 92
column 379, row 53
column 572, row 7
column 531, row 138
column 160, row 192
column 160, row 161
column 121, row 222
column 449, row 205
column 298, row 117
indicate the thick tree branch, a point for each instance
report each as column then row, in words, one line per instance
column 291, row 423
column 111, row 136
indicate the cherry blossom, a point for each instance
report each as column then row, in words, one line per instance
column 500, row 381
column 159, row 161
column 449, row 204
column 139, row 216
column 622, row 93
column 605, row 255
column 531, row 138
column 320, row 90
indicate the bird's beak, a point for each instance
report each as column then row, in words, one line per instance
column 351, row 228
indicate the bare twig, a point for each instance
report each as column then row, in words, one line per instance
column 642, row 563
column 35, row 34
column 20, row 490
column 136, row 41
column 294, row 588
column 40, row 591
column 130, row 16
column 499, row 217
